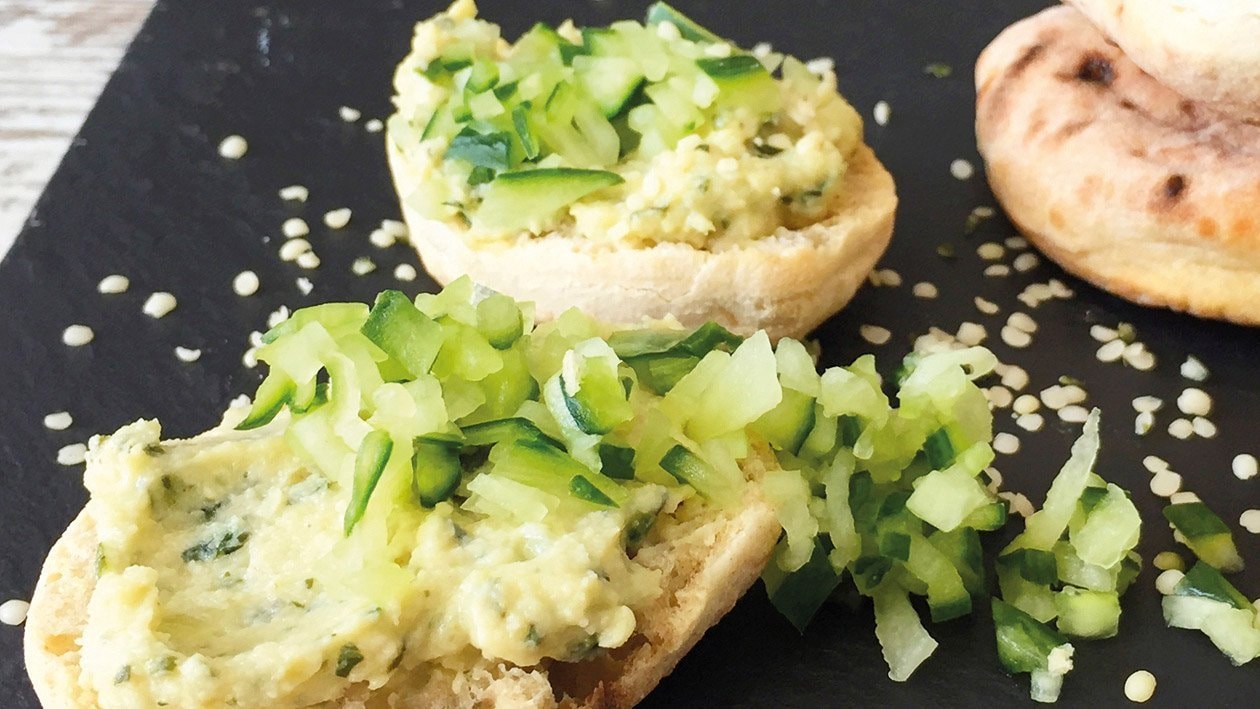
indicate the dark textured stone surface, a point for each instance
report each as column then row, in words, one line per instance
column 144, row 193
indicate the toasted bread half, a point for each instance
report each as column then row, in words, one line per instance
column 707, row 560
column 786, row 283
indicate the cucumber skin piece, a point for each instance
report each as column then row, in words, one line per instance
column 274, row 392
column 407, row 335
column 617, row 462
column 736, row 66
column 1087, row 614
column 582, row 488
column 436, row 471
column 369, row 465
column 1024, row 644
column 507, row 430
column 500, row 320
column 788, row 424
column 1206, row 535
column 513, row 198
column 689, row 29
column 1204, row 581
column 800, row 594
column 1034, row 565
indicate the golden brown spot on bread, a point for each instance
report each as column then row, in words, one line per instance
column 60, row 644
column 1095, row 69
column 1056, row 218
column 1173, row 187
column 1242, row 227
column 1028, row 57
column 1206, row 226
column 1071, row 129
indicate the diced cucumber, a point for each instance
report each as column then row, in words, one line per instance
column 800, row 594
column 514, row 199
column 436, row 471
column 591, row 387
column 659, row 12
column 962, row 548
column 499, row 319
column 1234, row 631
column 786, row 426
column 1087, row 614
column 895, row 546
column 944, row 498
column 693, row 470
column 274, row 392
column 742, row 391
column 939, row 449
column 988, row 518
column 497, row 496
column 617, row 462
column 506, row 389
column 337, row 318
column 1046, row 525
column 1024, row 644
column 369, row 465
column 869, row 573
column 610, row 81
column 1070, row 569
column 1037, row 600
column 1130, row 567
column 549, row 469
column 1035, row 565
column 822, row 437
column 901, row 635
column 742, row 82
column 1111, row 529
column 838, row 518
column 508, row 430
column 947, row 595
column 1204, row 581
column 583, row 489
column 405, row 334
column 1206, row 535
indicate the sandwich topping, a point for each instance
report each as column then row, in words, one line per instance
column 630, row 135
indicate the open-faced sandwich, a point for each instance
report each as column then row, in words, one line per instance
column 636, row 170
column 436, row 503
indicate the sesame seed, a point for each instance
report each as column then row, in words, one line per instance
column 349, row 115
column 73, row 454
column 971, row 334
column 304, row 285
column 1110, row 352
column 13, row 611
column 374, row 125
column 990, row 251
column 1183, row 497
column 362, row 266
column 186, row 354
column 1030, row 422
column 1058, row 396
column 985, row 212
column 961, row 169
column 1250, row 521
column 1203, row 428
column 337, row 218
column 405, row 272
column 997, row 270
column 1143, row 423
column 1148, row 404
column 821, row 65
column 381, row 239
column 159, row 304
column 1059, row 289
column 1018, row 503
column 233, row 147
column 1014, row 377
column 294, row 193
column 77, row 335
column 112, row 285
column 1167, row 582
column 875, row 334
column 1155, row 464
column 290, row 250
column 1102, row 333
column 294, row 227
column 1016, row 337
column 308, row 260
column 1006, row 443
column 1139, row 687
column 245, row 283
column 250, row 358
column 1193, row 369
column 1026, row 262
column 1073, row 414
column 1166, row 560
column 1245, row 466
column 1026, row 404
column 394, row 228
column 256, row 338
column 276, row 317
column 889, row 277
column 58, row 421
column 995, row 478
column 1181, row 428
column 1165, row 483
column 923, row 289
column 1194, row 402
column 1137, row 356
column 1022, row 321
column 882, row 113
column 999, row 396
column 1017, row 243
column 987, row 307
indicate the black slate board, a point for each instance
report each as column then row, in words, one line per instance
column 142, row 192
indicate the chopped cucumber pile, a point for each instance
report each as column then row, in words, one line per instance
column 1206, row 534
column 1203, row 600
column 525, row 129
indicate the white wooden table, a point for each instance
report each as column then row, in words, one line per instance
column 55, row 56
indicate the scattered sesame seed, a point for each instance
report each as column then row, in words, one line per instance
column 1006, row 443
column 1137, row 356
column 1030, row 422
column 159, row 304
column 1194, row 402
column 304, row 285
column 233, row 147
column 882, row 113
column 1026, row 404
column 1026, row 262
column 1181, row 428
column 984, row 212
column 308, row 260
column 294, row 227
column 945, row 251
column 997, row 270
column 875, row 334
column 294, row 193
column 1245, row 466
column 186, row 354
column 1022, row 321
column 381, row 239
column 294, row 248
column 1250, row 521
column 1073, row 414
column 961, row 169
column 276, row 317
column 1017, row 243
column 77, row 335
column 1140, row 686
column 1014, row 377
column 255, row 337
column 405, row 272
column 13, row 611
column 250, row 358
column 1058, row 396
column 1155, row 464
column 889, row 277
column 394, row 228
column 1018, row 503
column 987, row 307
column 1110, row 352
column 971, row 334
column 245, row 283
column 362, row 266
column 1148, row 403
column 1203, row 428
column 1166, row 560
column 1143, row 423
column 821, row 65
column 58, row 421
column 73, row 454
column 337, row 218
column 1183, row 497
column 1168, row 579
column 1059, row 289
column 349, row 115
column 1102, row 333
column 999, row 396
column 374, row 125
column 1016, row 337
column 1165, row 482
column 995, row 479
column 990, row 251
column 923, row 289
column 1193, row 369
column 112, row 285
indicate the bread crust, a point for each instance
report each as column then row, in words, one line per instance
column 786, row 283
column 1206, row 50
column 707, row 562
column 1116, row 177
